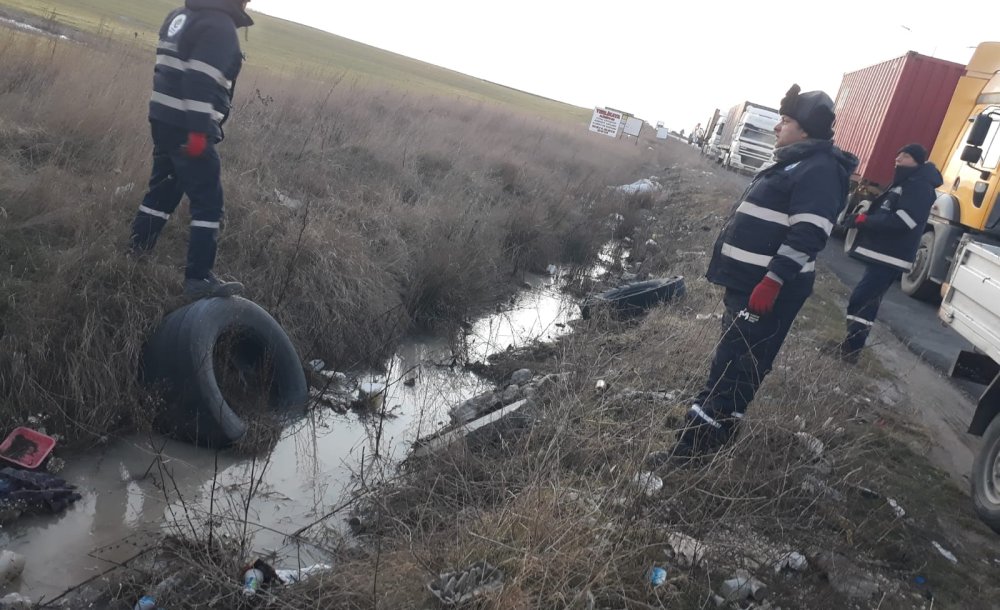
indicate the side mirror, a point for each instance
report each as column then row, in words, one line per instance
column 972, row 154
column 979, row 131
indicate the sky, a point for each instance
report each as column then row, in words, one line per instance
column 669, row 60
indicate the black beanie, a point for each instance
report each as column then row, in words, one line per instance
column 918, row 152
column 812, row 110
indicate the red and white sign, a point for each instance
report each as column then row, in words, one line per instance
column 606, row 122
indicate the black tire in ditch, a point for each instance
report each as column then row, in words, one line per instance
column 217, row 359
column 635, row 298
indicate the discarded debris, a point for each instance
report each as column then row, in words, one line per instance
column 521, row 377
column 811, row 444
column 334, row 376
column 639, row 187
column 896, row 508
column 657, row 576
column 649, row 483
column 845, row 577
column 11, row 566
column 552, row 269
column 793, row 561
column 317, row 365
column 708, row 316
column 945, row 552
column 687, row 551
column 286, row 201
column 601, row 385
column 15, row 601
column 461, row 586
column 292, row 576
column 741, row 587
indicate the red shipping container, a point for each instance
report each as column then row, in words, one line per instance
column 884, row 107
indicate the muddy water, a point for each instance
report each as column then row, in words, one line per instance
column 130, row 496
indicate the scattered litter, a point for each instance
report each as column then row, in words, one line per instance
column 708, row 316
column 896, row 508
column 645, row 395
column 552, row 269
column 649, row 483
column 26, row 447
column 601, row 385
column 657, row 576
column 124, row 189
column 521, row 377
column 811, row 443
column 410, row 382
column 639, row 187
column 742, row 587
column 15, row 601
column 945, row 553
column 334, row 376
column 652, row 246
column 146, row 602
column 34, row 492
column 317, row 365
column 845, row 577
column 11, row 566
column 460, row 586
column 292, row 576
column 55, row 465
column 687, row 550
column 286, row 201
column 252, row 580
column 794, row 561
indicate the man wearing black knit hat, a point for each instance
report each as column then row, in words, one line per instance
column 887, row 240
column 765, row 258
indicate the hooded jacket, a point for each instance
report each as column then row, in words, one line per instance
column 784, row 218
column 896, row 219
column 198, row 59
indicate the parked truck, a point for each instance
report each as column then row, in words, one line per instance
column 746, row 141
column 971, row 306
column 900, row 101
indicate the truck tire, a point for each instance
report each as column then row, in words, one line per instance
column 917, row 282
column 216, row 354
column 986, row 477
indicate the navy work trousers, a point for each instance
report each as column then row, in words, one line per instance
column 742, row 360
column 174, row 175
column 862, row 307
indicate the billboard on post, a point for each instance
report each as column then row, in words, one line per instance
column 633, row 127
column 606, row 122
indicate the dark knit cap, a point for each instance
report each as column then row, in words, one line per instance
column 812, row 110
column 918, row 152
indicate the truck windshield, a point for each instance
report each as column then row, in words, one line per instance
column 758, row 135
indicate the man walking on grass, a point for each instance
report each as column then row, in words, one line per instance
column 765, row 258
column 197, row 61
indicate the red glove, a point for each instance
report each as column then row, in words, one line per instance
column 196, row 144
column 860, row 219
column 763, row 296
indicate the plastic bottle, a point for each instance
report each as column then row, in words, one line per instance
column 252, row 579
column 146, row 602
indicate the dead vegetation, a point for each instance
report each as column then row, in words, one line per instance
column 353, row 216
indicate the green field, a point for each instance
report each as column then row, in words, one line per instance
column 283, row 46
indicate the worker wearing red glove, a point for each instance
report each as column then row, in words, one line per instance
column 765, row 258
column 198, row 60
column 888, row 238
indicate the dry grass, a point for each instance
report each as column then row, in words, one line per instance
column 415, row 210
column 548, row 496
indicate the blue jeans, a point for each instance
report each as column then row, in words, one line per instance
column 174, row 175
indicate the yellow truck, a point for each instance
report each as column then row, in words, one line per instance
column 967, row 151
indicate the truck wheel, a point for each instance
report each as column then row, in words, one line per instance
column 917, row 283
column 986, row 477
column 216, row 354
